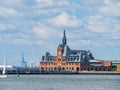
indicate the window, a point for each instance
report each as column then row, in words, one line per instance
column 95, row 69
column 63, row 68
column 88, row 69
column 73, row 58
column 84, row 64
column 77, row 69
column 63, row 59
column 91, row 68
column 59, row 59
column 77, row 63
column 72, row 68
column 42, row 68
column 63, row 63
column 104, row 69
column 55, row 68
column 81, row 64
column 55, row 63
column 51, row 68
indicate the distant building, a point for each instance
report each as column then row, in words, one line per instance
column 23, row 62
column 72, row 60
column 116, row 65
column 7, row 66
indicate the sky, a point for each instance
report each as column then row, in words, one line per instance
column 33, row 27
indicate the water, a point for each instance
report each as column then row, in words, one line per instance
column 61, row 82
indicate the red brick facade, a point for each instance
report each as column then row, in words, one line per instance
column 118, row 68
column 60, row 64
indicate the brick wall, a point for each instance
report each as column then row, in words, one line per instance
column 107, row 63
column 118, row 68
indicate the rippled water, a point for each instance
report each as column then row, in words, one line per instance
column 61, row 82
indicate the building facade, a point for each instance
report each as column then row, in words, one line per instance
column 68, row 60
column 116, row 66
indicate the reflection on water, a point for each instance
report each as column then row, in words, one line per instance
column 61, row 82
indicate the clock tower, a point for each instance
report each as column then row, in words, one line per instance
column 59, row 50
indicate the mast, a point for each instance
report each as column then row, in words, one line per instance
column 4, row 67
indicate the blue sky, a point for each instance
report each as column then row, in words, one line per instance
column 33, row 27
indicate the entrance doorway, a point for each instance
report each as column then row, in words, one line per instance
column 59, row 68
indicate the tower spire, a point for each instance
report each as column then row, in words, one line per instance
column 64, row 40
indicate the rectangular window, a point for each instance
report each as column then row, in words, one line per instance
column 77, row 63
column 63, row 59
column 72, row 68
column 59, row 59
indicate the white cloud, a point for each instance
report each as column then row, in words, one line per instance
column 101, row 24
column 63, row 3
column 46, row 12
column 65, row 20
column 90, row 2
column 85, row 43
column 95, row 24
column 7, row 12
column 110, row 43
column 111, row 8
column 6, row 26
column 44, row 3
column 112, row 36
column 20, row 41
column 51, row 3
column 10, row 2
column 52, row 7
column 45, row 32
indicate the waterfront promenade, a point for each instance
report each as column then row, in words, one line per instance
column 33, row 71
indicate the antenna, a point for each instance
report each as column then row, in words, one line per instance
column 5, row 59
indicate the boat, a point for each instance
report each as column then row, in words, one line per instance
column 4, row 75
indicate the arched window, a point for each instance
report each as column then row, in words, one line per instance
column 63, row 69
column 55, row 68
column 42, row 68
column 77, row 69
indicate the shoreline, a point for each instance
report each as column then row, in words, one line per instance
column 69, row 73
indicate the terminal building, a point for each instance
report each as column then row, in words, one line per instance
column 67, row 60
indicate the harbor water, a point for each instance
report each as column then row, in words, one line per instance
column 60, row 82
